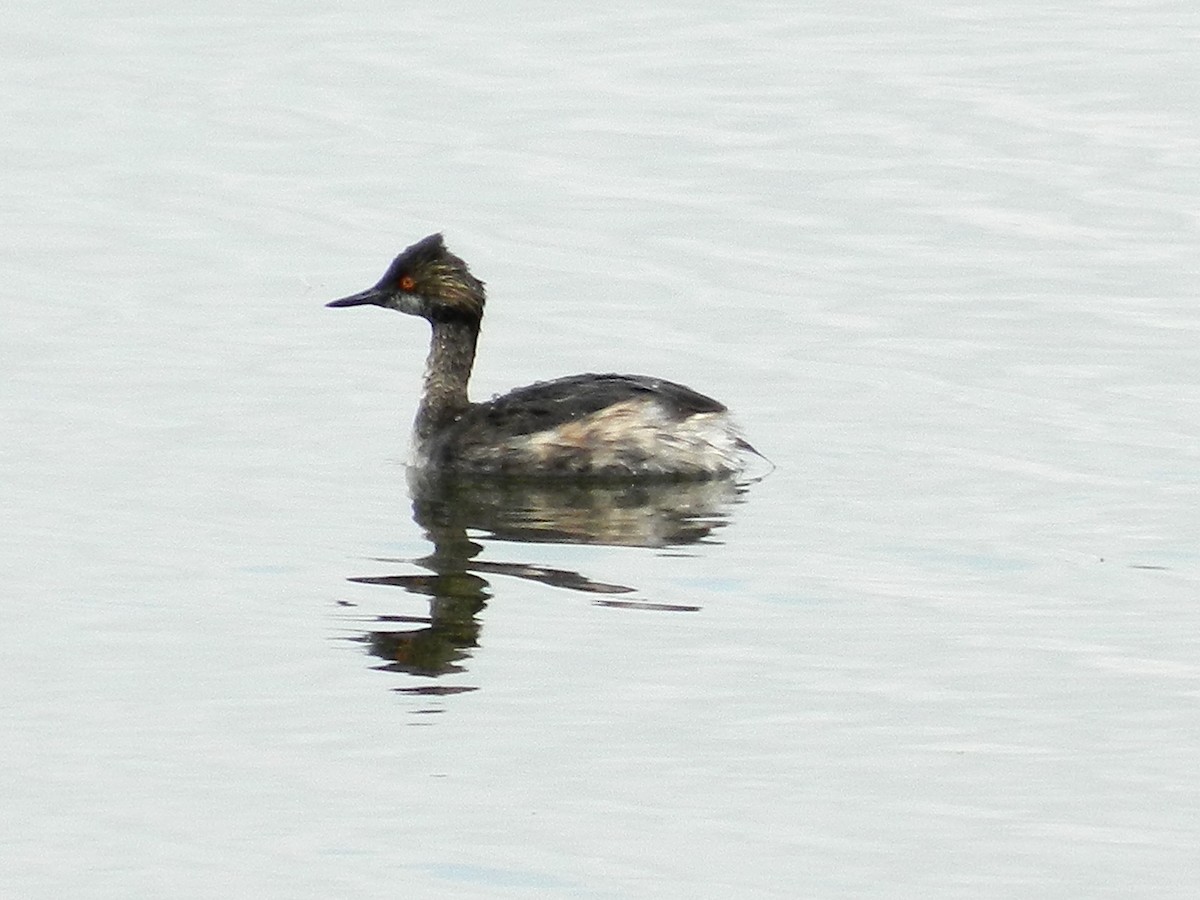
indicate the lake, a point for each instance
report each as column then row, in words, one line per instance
column 941, row 262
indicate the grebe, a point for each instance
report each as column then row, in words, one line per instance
column 583, row 426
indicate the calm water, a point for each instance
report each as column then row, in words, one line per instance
column 941, row 260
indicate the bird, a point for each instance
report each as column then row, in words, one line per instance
column 590, row 426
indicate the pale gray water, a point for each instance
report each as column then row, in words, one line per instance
column 941, row 260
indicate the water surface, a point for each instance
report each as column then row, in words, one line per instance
column 940, row 260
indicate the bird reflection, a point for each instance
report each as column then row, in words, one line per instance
column 456, row 581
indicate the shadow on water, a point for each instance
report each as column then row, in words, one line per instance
column 461, row 517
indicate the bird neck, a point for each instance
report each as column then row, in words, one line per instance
column 447, row 371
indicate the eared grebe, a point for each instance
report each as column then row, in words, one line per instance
column 601, row 426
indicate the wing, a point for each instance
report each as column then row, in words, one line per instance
column 548, row 404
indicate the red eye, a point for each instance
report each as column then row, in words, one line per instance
column 407, row 283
